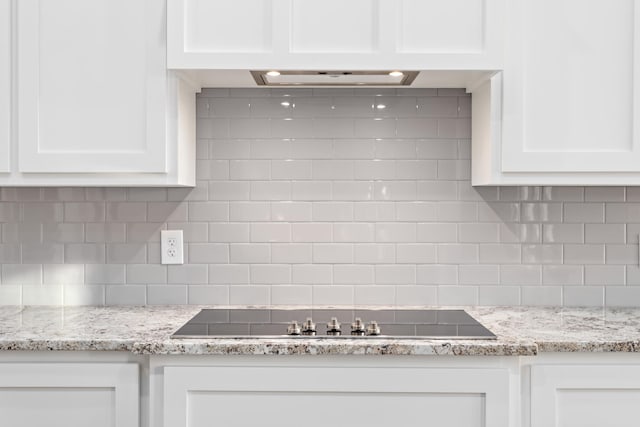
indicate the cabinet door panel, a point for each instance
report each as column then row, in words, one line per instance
column 69, row 395
column 92, row 86
column 584, row 396
column 571, row 87
column 5, row 83
column 354, row 396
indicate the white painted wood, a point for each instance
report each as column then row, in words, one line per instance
column 584, row 395
column 69, row 394
column 5, row 84
column 334, row 34
column 92, row 86
column 571, row 87
column 194, row 396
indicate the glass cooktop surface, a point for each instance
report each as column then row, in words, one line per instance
column 333, row 323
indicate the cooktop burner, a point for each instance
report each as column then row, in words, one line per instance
column 333, row 323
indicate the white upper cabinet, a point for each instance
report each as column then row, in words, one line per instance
column 95, row 104
column 569, row 95
column 5, row 84
column 335, row 34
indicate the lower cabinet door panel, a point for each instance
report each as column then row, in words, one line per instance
column 585, row 395
column 318, row 397
column 69, row 395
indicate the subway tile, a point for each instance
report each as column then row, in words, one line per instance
column 583, row 296
column 478, row 274
column 353, row 149
column 499, row 295
column 395, row 149
column 338, row 253
column 621, row 254
column 621, row 212
column 352, row 190
column 241, row 170
column 416, row 211
column 9, row 212
column 268, row 149
column 437, row 149
column 212, row 128
column 311, row 190
column 270, row 274
column 10, row 254
column 477, row 233
column 105, row 233
column 42, row 295
column 374, row 295
column 605, row 233
column 468, row 193
column 249, row 295
column 604, row 275
column 374, row 253
column 208, row 253
column 84, row 212
column 500, row 253
column 270, row 232
column 545, row 212
column 333, row 211
column 291, row 295
column 332, row 169
column 225, row 232
column 530, row 193
column 416, row 128
column 416, row 253
column 312, row 106
column 271, row 190
column 227, row 274
column 395, row 274
column 126, row 253
column 563, row 233
column 312, row 273
column 542, row 254
column 509, row 194
column 395, row 190
column 457, row 295
column 126, row 212
column 144, row 232
column 311, row 149
column 312, row 232
column 167, row 212
column 229, row 107
column 353, row 232
column 104, row 273
column 125, row 295
column 382, row 128
column 62, row 233
column 146, row 274
column 340, row 295
column 541, row 295
column 207, row 295
column 374, row 169
column 48, row 253
column 21, row 233
column 294, row 128
column 86, row 253
column 435, row 232
column 42, row 212
column 350, row 274
column 584, row 212
column 499, row 212
column 633, row 194
column 291, row 253
column 194, row 232
column 584, row 254
column 333, row 128
column 563, row 194
column 63, row 274
column 166, row 294
column 243, row 253
column 147, row 194
column 374, row 211
column 229, row 190
column 437, row 274
column 432, row 106
column 464, row 106
column 457, row 254
column 562, row 275
column 249, row 211
column 291, row 211
column 520, row 275
column 353, row 106
column 187, row 274
column 622, row 296
column 395, row 232
column 457, row 211
column 78, row 295
column 412, row 295
column 454, row 169
column 604, row 194
column 21, row 274
column 437, row 190
column 230, row 149
column 291, row 169
column 245, row 128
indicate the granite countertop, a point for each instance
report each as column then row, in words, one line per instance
column 521, row 331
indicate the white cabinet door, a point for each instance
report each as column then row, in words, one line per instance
column 335, row 34
column 572, row 88
column 585, row 395
column 92, row 86
column 5, row 84
column 322, row 396
column 69, row 395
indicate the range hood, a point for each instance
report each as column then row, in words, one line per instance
column 334, row 78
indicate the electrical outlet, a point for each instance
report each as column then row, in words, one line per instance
column 171, row 245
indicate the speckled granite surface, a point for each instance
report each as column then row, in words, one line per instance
column 146, row 330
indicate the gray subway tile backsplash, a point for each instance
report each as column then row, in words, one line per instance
column 325, row 199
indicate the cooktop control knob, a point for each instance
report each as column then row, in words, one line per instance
column 357, row 327
column 333, row 327
column 308, row 327
column 373, row 328
column 293, row 328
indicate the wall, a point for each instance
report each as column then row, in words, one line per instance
column 324, row 197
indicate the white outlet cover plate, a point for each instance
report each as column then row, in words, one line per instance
column 171, row 254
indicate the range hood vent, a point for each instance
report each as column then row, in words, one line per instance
column 333, row 78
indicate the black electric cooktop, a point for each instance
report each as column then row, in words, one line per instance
column 333, row 323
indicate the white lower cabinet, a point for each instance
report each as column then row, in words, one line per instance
column 69, row 394
column 322, row 395
column 585, row 395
